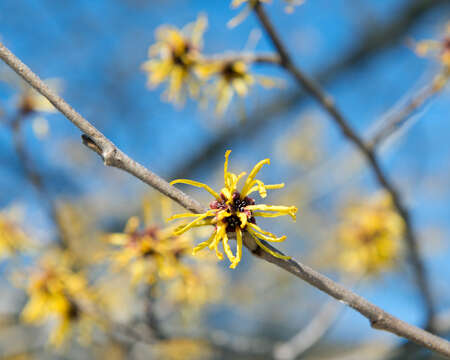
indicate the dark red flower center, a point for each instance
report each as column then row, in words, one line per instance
column 237, row 205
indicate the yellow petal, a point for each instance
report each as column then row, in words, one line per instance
column 196, row 184
column 266, row 249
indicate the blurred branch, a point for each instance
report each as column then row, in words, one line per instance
column 376, row 39
column 95, row 140
column 112, row 156
column 400, row 117
column 327, row 103
column 33, row 176
column 310, row 334
column 268, row 58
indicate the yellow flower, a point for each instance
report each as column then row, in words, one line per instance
column 12, row 238
column 149, row 254
column 173, row 58
column 233, row 77
column 234, row 211
column 56, row 291
column 196, row 285
column 439, row 50
column 370, row 236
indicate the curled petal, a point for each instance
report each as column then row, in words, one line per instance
column 251, row 176
column 268, row 237
column 239, row 248
column 196, row 184
column 226, row 247
column 288, row 210
column 268, row 250
column 204, row 244
column 192, row 224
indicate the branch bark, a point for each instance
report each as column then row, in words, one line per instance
column 112, row 156
column 328, row 105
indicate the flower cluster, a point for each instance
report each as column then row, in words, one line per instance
column 176, row 58
column 58, row 292
column 370, row 235
column 234, row 211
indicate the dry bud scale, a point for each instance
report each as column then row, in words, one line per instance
column 234, row 211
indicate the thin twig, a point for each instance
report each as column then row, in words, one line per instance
column 327, row 103
column 95, row 140
column 33, row 176
column 249, row 57
column 311, row 333
column 400, row 117
column 112, row 156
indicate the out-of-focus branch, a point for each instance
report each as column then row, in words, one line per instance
column 112, row 156
column 310, row 334
column 401, row 116
column 376, row 39
column 268, row 58
column 95, row 140
column 327, row 103
column 33, row 176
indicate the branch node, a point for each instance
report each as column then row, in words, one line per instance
column 91, row 144
column 107, row 152
column 377, row 323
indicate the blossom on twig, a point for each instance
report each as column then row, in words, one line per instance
column 234, row 211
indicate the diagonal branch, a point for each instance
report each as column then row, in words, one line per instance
column 112, row 156
column 327, row 103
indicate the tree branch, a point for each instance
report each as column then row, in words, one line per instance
column 327, row 103
column 310, row 334
column 372, row 43
column 112, row 156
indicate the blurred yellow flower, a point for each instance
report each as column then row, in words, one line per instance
column 32, row 101
column 182, row 349
column 233, row 77
column 154, row 254
column 439, row 50
column 196, row 285
column 148, row 254
column 370, row 236
column 57, row 292
column 235, row 211
column 173, row 58
column 12, row 238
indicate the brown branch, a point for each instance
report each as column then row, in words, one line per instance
column 249, row 57
column 112, row 156
column 327, row 103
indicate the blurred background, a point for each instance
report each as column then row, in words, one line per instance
column 361, row 51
